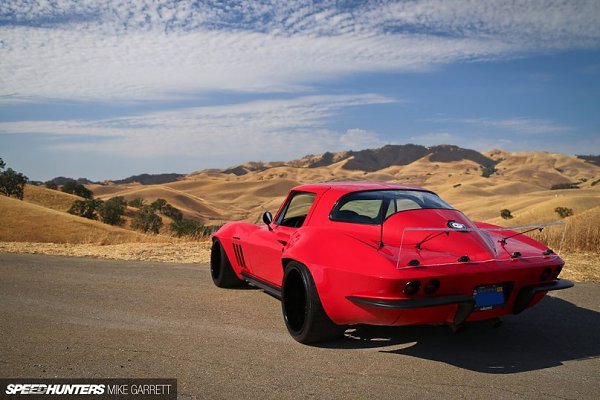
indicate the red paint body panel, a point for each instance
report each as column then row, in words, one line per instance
column 346, row 260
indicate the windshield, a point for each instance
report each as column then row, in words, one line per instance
column 373, row 206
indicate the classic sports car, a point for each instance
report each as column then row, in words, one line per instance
column 339, row 254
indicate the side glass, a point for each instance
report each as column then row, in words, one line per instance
column 296, row 210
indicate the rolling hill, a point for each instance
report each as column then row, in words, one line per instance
column 23, row 221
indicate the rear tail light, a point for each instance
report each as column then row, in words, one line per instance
column 546, row 274
column 432, row 286
column 411, row 288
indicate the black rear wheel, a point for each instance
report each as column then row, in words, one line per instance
column 221, row 270
column 303, row 312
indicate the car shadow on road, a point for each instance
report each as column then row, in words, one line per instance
column 545, row 336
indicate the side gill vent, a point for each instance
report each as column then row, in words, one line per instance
column 239, row 255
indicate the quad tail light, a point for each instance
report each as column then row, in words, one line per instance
column 411, row 288
column 546, row 274
column 432, row 286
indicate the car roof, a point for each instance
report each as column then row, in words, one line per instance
column 355, row 186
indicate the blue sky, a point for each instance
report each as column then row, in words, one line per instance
column 120, row 88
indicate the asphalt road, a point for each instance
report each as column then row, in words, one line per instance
column 73, row 317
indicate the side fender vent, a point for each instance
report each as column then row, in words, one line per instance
column 239, row 255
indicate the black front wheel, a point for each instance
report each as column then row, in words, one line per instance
column 303, row 312
column 221, row 270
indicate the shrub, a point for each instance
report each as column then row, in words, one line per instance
column 186, row 227
column 488, row 171
column 172, row 212
column 12, row 183
column 87, row 208
column 564, row 212
column 51, row 185
column 489, row 168
column 566, row 185
column 505, row 213
column 76, row 188
column 158, row 204
column 146, row 220
column 138, row 202
column 112, row 210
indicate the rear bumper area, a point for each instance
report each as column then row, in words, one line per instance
column 465, row 304
column 527, row 293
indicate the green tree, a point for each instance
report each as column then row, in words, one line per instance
column 77, row 189
column 158, row 204
column 564, row 212
column 87, row 208
column 505, row 213
column 171, row 212
column 186, row 227
column 51, row 185
column 112, row 210
column 12, row 183
column 138, row 202
column 146, row 220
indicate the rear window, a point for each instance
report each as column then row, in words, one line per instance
column 370, row 207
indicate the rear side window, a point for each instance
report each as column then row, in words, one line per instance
column 296, row 209
column 359, row 210
column 370, row 207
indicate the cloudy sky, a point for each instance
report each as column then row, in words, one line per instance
column 115, row 88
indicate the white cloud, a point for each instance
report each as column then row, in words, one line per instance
column 149, row 50
column 82, row 65
column 268, row 130
column 527, row 23
column 520, row 125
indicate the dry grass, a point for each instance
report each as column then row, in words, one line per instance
column 175, row 252
column 581, row 267
column 49, row 198
column 26, row 222
column 581, row 233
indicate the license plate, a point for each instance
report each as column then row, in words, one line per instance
column 488, row 297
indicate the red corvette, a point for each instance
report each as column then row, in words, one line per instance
column 340, row 254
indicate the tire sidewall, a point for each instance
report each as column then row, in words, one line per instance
column 309, row 293
column 218, row 276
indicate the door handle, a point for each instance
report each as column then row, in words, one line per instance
column 283, row 242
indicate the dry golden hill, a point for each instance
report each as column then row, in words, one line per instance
column 53, row 199
column 27, row 222
column 522, row 182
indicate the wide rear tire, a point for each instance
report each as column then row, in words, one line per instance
column 221, row 270
column 303, row 312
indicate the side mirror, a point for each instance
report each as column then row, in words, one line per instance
column 268, row 219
